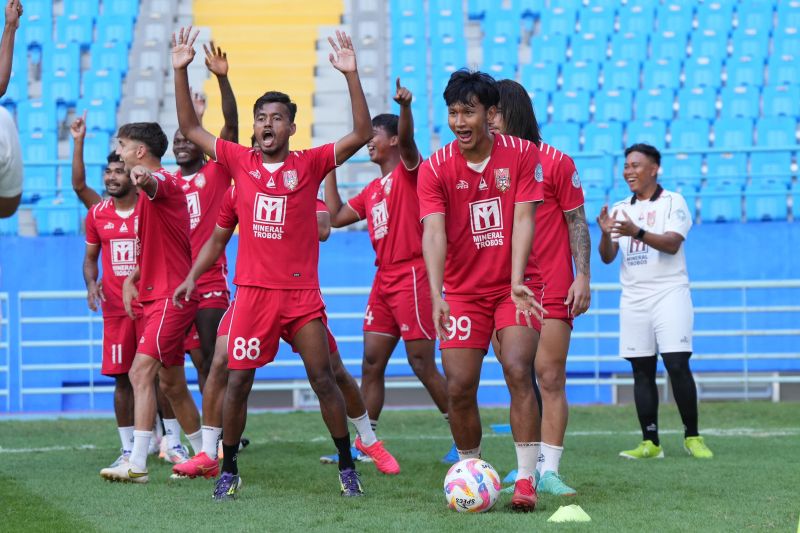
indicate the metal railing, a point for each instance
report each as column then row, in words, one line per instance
column 5, row 350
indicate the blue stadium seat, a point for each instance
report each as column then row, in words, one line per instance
column 502, row 26
column 661, row 74
column 596, row 170
column 579, row 76
column 589, row 47
column 620, row 74
column 36, row 30
column 110, row 29
column 558, row 20
column 752, row 42
column 602, row 137
column 668, row 45
column 74, row 29
column 549, row 48
column 477, row 9
column 676, row 17
column 613, row 106
column 411, row 8
column 703, row 72
column 740, row 101
column 498, row 62
column 538, row 77
column 716, row 16
column 447, row 23
column 766, row 200
column 532, row 9
column 636, row 18
column 39, row 147
column 629, row 46
column 783, row 70
column 786, row 42
column 56, row 219
column 685, row 188
column 61, row 56
column 101, row 113
column 17, row 90
column 733, row 133
column 709, row 43
column 565, row 136
column 408, row 32
column 652, row 132
column 109, row 55
column 596, row 19
column 10, row 225
column 654, row 104
column 745, row 70
column 446, row 59
column 619, row 192
column 42, row 9
column 408, row 61
column 721, row 202
column 121, row 8
column 795, row 190
column 697, row 102
column 776, row 165
column 571, row 106
column 781, row 100
column 685, row 167
column 726, row 166
column 689, row 134
column 36, row 115
column 776, row 131
column 788, row 15
column 540, row 106
column 103, row 84
column 594, row 198
column 61, row 86
column 84, row 8
column 754, row 15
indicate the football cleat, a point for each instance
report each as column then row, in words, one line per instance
column 551, row 483
column 350, row 483
column 124, row 472
column 227, row 487
column 156, row 445
column 384, row 461
column 177, row 455
column 524, row 499
column 452, row 456
column 645, row 450
column 333, row 459
column 199, row 465
column 696, row 447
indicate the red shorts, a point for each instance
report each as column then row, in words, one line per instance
column 260, row 317
column 473, row 320
column 556, row 308
column 120, row 334
column 214, row 299
column 165, row 327
column 400, row 302
column 192, row 340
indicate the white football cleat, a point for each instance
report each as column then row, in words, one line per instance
column 124, row 472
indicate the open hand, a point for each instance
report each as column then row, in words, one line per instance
column 343, row 57
column 605, row 221
column 624, row 228
column 183, row 48
column 216, row 60
column 526, row 303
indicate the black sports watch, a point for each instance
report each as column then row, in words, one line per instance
column 640, row 234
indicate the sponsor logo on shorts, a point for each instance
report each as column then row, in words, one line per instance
column 502, row 179
column 380, row 220
column 269, row 213
column 193, row 202
column 486, row 218
column 684, row 340
column 405, row 327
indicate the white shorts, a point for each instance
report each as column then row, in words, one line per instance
column 661, row 323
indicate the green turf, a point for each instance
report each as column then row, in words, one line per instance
column 753, row 483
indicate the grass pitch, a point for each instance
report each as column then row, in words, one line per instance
column 49, row 477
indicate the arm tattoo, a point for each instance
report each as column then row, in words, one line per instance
column 579, row 240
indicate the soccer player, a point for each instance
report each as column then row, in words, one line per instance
column 10, row 149
column 399, row 303
column 276, row 275
column 562, row 237
column 478, row 199
column 164, row 257
column 656, row 313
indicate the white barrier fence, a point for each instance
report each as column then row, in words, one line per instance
column 5, row 351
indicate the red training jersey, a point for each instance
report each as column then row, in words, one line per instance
column 391, row 207
column 116, row 237
column 204, row 192
column 479, row 211
column 562, row 193
column 162, row 228
column 278, row 237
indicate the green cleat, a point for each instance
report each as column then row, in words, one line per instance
column 645, row 450
column 696, row 447
column 551, row 483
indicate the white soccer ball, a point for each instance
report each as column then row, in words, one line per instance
column 471, row 486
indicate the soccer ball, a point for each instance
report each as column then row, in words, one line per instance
column 471, row 486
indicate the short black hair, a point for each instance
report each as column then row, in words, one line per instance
column 113, row 157
column 517, row 110
column 387, row 121
column 650, row 151
column 464, row 85
column 149, row 134
column 270, row 97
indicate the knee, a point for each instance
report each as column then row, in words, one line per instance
column 123, row 383
column 677, row 366
column 552, row 380
column 518, row 375
column 322, row 382
column 418, row 362
column 461, row 393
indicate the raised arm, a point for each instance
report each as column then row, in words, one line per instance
column 94, row 293
column 341, row 215
column 608, row 248
column 217, row 63
column 405, row 129
column 86, row 194
column 208, row 255
column 579, row 295
column 189, row 124
column 343, row 59
column 13, row 14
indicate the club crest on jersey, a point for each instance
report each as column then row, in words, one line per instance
column 200, row 181
column 256, row 174
column 539, row 173
column 290, row 179
column 502, row 180
column 387, row 187
column 651, row 218
column 576, row 180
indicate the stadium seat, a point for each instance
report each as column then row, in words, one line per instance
column 558, row 20
column 715, row 16
column 61, row 86
column 706, row 42
column 745, row 70
column 579, row 76
column 788, row 15
column 662, row 74
column 589, row 47
column 753, row 42
column 685, row 188
column 447, row 29
column 776, row 165
column 17, row 90
column 40, row 179
column 781, row 100
column 721, row 202
column 36, row 30
column 655, row 104
column 786, row 42
column 620, row 74
column 776, row 131
column 636, row 18
column 733, row 133
column 103, row 84
column 74, row 29
column 498, row 63
column 61, row 56
column 412, row 8
column 766, row 200
column 613, row 106
column 594, row 198
column 502, row 26
column 538, row 77
column 675, row 17
column 754, row 15
column 596, row 19
column 110, row 55
column 681, row 166
column 739, row 101
column 115, row 29
column 602, row 137
column 697, row 102
column 121, row 8
column 783, row 70
column 36, row 115
column 668, row 45
column 629, row 46
column 41, row 9
column 689, row 134
column 84, row 8
column 652, row 132
column 101, row 113
column 728, row 166
column 596, row 170
column 408, row 32
column 10, row 225
column 447, row 59
column 56, row 219
column 549, row 48
column 703, row 72
column 566, row 136
column 571, row 106
column 795, row 190
column 476, row 9
column 408, row 61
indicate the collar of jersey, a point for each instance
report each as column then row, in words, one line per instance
column 659, row 190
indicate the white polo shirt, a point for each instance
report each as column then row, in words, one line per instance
column 10, row 157
column 646, row 271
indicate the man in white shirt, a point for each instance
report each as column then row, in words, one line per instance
column 10, row 150
column 656, row 314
